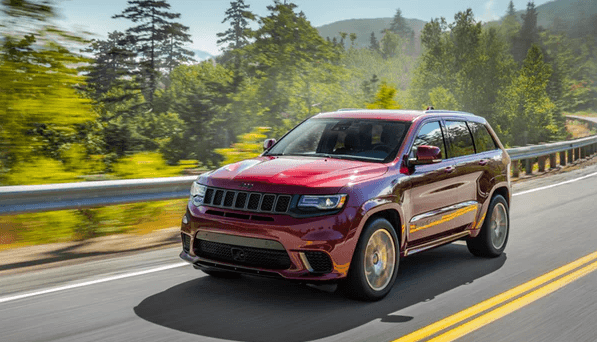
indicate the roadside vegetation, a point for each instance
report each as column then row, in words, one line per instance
column 137, row 104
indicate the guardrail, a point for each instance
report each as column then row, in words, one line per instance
column 37, row 198
column 569, row 151
column 48, row 197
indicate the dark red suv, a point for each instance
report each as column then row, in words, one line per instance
column 344, row 195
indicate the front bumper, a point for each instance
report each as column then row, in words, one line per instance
column 301, row 238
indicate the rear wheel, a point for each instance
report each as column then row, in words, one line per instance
column 374, row 263
column 493, row 236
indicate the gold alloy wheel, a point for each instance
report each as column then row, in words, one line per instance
column 499, row 226
column 380, row 260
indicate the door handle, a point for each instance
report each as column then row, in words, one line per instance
column 449, row 169
column 483, row 162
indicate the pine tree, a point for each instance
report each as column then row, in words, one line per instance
column 400, row 27
column 373, row 43
column 237, row 36
column 529, row 33
column 511, row 11
column 155, row 30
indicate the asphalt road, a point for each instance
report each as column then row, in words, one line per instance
column 549, row 228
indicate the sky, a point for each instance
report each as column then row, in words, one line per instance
column 204, row 17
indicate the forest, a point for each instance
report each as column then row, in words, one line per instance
column 137, row 104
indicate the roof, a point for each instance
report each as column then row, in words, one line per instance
column 387, row 114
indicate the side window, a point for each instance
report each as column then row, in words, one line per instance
column 430, row 134
column 483, row 140
column 461, row 139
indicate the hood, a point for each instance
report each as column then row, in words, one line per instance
column 286, row 174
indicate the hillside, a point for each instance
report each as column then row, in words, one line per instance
column 363, row 29
column 566, row 14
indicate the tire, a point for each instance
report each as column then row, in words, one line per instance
column 493, row 237
column 374, row 263
column 222, row 274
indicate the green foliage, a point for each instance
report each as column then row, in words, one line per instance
column 529, row 114
column 157, row 40
column 441, row 97
column 384, row 99
column 146, row 165
column 249, row 145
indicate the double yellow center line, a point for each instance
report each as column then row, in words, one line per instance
column 541, row 286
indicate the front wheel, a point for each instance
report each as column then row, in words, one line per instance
column 374, row 263
column 493, row 236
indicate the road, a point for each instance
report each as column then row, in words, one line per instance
column 550, row 228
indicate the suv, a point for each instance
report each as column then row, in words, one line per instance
column 345, row 194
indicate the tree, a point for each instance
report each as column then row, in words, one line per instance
column 529, row 33
column 529, row 113
column 373, row 43
column 238, row 34
column 384, row 99
column 400, row 27
column 511, row 10
column 172, row 48
column 291, row 67
column 39, row 88
column 155, row 30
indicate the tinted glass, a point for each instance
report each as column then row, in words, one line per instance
column 430, row 134
column 361, row 139
column 483, row 140
column 462, row 141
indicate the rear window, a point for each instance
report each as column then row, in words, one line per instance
column 461, row 139
column 483, row 140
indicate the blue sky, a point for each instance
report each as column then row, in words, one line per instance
column 204, row 17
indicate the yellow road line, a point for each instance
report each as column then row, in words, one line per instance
column 491, row 302
column 513, row 306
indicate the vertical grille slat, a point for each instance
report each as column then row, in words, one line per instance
column 209, row 194
column 282, row 204
column 241, row 200
column 229, row 199
column 267, row 204
column 249, row 201
column 218, row 197
column 254, row 200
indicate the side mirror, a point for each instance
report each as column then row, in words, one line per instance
column 268, row 143
column 426, row 154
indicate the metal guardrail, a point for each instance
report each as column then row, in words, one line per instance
column 38, row 198
column 48, row 197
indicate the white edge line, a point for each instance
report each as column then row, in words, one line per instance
column 91, row 282
column 554, row 185
column 167, row 267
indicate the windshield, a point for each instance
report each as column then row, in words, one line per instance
column 360, row 139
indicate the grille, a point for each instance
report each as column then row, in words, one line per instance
column 186, row 242
column 218, row 197
column 250, row 201
column 252, row 257
column 320, row 262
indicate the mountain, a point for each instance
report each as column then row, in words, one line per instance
column 563, row 15
column 201, row 55
column 363, row 29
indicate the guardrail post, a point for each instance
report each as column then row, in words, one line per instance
column 576, row 153
column 570, row 156
column 542, row 164
column 515, row 171
column 552, row 161
column 583, row 152
column 563, row 158
column 528, row 166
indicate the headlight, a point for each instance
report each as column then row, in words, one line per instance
column 197, row 193
column 327, row 202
